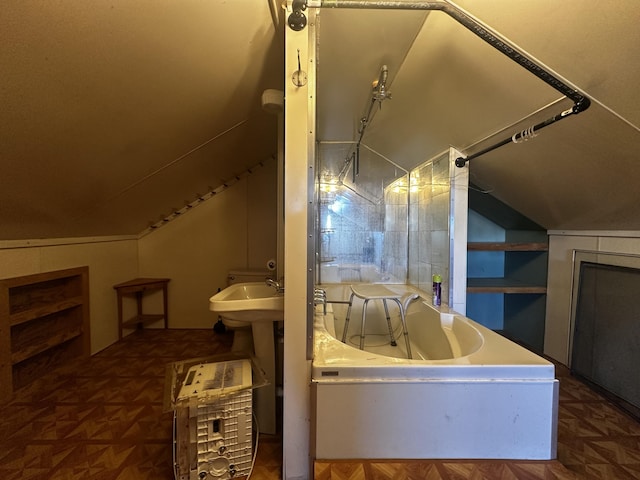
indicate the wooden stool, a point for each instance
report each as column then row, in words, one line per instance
column 140, row 286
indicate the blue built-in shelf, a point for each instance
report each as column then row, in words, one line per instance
column 506, row 270
column 502, row 285
column 520, row 292
column 518, row 283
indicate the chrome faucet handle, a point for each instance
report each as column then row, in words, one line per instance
column 320, row 297
column 279, row 286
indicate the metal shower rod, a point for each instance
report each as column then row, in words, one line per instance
column 580, row 101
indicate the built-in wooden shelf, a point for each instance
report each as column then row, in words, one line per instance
column 505, row 284
column 52, row 341
column 507, row 247
column 502, row 285
column 44, row 322
column 41, row 311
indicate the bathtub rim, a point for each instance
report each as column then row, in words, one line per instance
column 498, row 358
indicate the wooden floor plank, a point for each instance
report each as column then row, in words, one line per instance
column 104, row 418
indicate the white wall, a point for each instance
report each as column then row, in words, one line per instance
column 110, row 260
column 561, row 247
column 262, row 190
column 234, row 229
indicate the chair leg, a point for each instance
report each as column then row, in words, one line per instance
column 386, row 311
column 346, row 320
column 404, row 328
column 364, row 318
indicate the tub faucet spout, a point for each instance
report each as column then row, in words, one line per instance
column 320, row 298
column 278, row 285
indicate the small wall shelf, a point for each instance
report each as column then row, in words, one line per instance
column 139, row 287
column 44, row 321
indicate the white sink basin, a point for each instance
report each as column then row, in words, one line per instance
column 249, row 302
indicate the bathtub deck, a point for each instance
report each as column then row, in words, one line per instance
column 493, row 399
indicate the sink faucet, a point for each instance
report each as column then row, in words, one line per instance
column 278, row 285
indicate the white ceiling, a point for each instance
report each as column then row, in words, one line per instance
column 115, row 114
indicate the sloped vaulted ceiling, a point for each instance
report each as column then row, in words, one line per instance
column 113, row 114
column 583, row 172
column 116, row 113
column 450, row 88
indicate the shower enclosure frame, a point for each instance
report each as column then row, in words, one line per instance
column 452, row 253
column 482, row 31
column 485, row 33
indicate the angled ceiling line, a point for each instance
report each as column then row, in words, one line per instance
column 164, row 167
column 482, row 31
column 176, row 160
column 512, row 125
column 616, row 114
column 375, row 152
column 176, row 212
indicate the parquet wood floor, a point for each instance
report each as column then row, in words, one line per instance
column 102, row 418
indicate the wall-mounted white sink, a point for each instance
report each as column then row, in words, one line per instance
column 249, row 302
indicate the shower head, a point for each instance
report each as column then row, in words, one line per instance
column 384, row 73
column 380, row 91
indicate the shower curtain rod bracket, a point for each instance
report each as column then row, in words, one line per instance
column 297, row 21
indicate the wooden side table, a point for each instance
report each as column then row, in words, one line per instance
column 140, row 286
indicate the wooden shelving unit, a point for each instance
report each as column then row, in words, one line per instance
column 44, row 321
column 509, row 246
column 502, row 285
column 514, row 250
column 523, row 286
column 506, row 284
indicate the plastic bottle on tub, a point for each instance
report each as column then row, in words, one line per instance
column 437, row 289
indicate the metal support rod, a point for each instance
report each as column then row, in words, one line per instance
column 519, row 136
column 581, row 102
column 378, row 95
column 356, row 163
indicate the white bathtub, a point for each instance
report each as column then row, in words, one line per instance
column 472, row 394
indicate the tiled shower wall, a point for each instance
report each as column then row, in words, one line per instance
column 406, row 237
column 351, row 232
column 395, row 230
column 429, row 224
